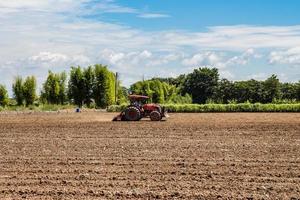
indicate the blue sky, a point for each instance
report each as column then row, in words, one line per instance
column 244, row 39
column 196, row 15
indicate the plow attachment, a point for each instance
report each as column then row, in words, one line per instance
column 119, row 117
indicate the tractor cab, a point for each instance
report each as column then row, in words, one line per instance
column 138, row 100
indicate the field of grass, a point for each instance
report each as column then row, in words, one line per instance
column 176, row 108
column 242, row 107
column 40, row 108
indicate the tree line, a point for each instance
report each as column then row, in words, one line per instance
column 95, row 86
column 90, row 86
column 205, row 86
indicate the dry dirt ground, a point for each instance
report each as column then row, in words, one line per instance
column 190, row 156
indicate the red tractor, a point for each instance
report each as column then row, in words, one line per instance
column 139, row 109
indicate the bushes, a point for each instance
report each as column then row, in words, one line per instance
column 25, row 91
column 116, row 108
column 160, row 92
column 242, row 107
column 3, row 96
column 38, row 108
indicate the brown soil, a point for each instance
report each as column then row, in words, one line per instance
column 190, row 156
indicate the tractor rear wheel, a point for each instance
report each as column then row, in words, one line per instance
column 132, row 114
column 155, row 116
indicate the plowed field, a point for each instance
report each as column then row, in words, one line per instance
column 190, row 156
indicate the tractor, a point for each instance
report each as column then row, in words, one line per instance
column 139, row 108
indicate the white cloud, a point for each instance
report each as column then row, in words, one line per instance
column 237, row 37
column 153, row 15
column 226, row 74
column 112, row 7
column 48, row 57
column 290, row 57
column 219, row 60
column 163, row 59
column 243, row 59
column 259, row 76
column 47, row 6
column 22, row 4
column 202, row 59
column 36, row 36
column 124, row 59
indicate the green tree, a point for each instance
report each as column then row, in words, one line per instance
column 271, row 89
column 122, row 95
column 201, row 84
column 62, row 88
column 89, row 81
column 177, row 82
column 29, row 90
column 158, row 91
column 100, row 86
column 289, row 91
column 3, row 96
column 54, row 88
column 76, row 86
column 224, row 91
column 111, row 89
column 298, row 91
column 17, row 88
column 51, row 89
column 170, row 91
column 178, row 99
column 250, row 90
column 104, row 87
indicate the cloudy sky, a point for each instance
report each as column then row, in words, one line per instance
column 243, row 39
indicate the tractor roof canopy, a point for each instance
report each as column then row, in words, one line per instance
column 137, row 97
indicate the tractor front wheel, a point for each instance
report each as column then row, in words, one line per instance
column 132, row 114
column 155, row 116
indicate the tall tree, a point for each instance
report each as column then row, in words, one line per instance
column 289, row 91
column 104, row 87
column 17, row 88
column 29, row 90
column 271, row 89
column 111, row 93
column 122, row 95
column 54, row 88
column 100, row 86
column 224, row 91
column 250, row 90
column 201, row 84
column 51, row 89
column 76, row 86
column 158, row 91
column 3, row 96
column 298, row 91
column 89, row 81
column 62, row 88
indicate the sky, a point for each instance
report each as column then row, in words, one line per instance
column 244, row 39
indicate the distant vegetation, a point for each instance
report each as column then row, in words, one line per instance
column 205, row 86
column 232, row 107
column 96, row 87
